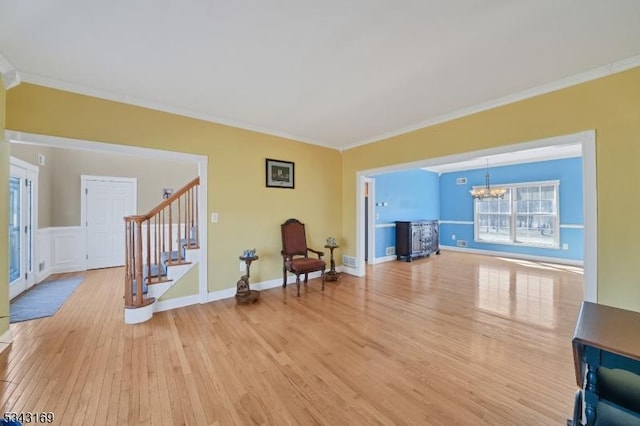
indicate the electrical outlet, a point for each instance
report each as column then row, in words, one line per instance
column 214, row 217
column 243, row 266
column 565, row 246
column 453, row 237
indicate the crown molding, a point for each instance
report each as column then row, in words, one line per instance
column 10, row 77
column 40, row 80
column 573, row 80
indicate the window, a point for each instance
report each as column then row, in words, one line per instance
column 527, row 215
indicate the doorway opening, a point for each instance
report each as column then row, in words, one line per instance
column 586, row 140
column 200, row 161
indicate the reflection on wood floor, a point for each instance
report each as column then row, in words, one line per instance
column 455, row 339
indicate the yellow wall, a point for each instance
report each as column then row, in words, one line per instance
column 609, row 105
column 250, row 214
column 325, row 193
column 4, row 218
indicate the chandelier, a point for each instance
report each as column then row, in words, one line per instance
column 487, row 192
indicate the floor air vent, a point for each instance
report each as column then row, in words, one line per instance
column 461, row 243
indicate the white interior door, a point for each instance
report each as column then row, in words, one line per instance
column 107, row 202
column 23, row 179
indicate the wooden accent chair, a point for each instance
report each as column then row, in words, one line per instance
column 295, row 254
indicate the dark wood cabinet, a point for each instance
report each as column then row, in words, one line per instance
column 416, row 239
column 606, row 354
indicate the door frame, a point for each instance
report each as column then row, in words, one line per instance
column 83, row 204
column 587, row 140
column 371, row 228
column 203, row 170
column 31, row 172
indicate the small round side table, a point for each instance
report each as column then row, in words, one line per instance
column 244, row 294
column 332, row 275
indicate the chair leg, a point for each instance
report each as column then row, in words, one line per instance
column 298, row 283
column 306, row 278
column 284, row 277
column 322, row 276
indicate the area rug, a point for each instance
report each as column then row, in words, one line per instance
column 43, row 300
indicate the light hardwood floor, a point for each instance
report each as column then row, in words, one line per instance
column 455, row 339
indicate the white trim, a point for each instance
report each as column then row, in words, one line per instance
column 456, row 222
column 599, row 72
column 513, row 214
column 43, row 250
column 555, row 182
column 351, row 271
column 553, row 86
column 572, row 138
column 30, row 173
column 586, row 138
column 138, row 315
column 222, row 294
column 84, row 179
column 86, row 145
column 176, row 302
column 228, row 293
column 385, row 225
column 514, row 255
column 5, row 340
column 373, row 216
column 384, row 259
column 10, row 77
column 571, row 226
column 158, row 106
column 359, row 259
column 23, row 164
column 468, row 222
column 110, row 179
column 67, row 249
column 590, row 209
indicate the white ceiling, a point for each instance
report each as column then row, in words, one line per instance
column 335, row 73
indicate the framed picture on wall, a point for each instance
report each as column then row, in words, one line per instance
column 279, row 174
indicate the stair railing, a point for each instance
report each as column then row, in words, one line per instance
column 159, row 239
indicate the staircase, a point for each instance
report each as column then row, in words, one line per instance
column 161, row 246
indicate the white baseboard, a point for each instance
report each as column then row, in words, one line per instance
column 349, row 270
column 176, row 302
column 222, row 294
column 5, row 340
column 509, row 255
column 262, row 285
column 384, row 259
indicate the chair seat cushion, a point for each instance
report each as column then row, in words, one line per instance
column 303, row 265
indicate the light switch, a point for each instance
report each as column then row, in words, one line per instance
column 214, row 217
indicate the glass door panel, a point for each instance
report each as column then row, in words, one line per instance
column 15, row 216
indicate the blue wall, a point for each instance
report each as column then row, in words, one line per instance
column 419, row 194
column 457, row 205
column 410, row 195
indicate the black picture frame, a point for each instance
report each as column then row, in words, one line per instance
column 279, row 174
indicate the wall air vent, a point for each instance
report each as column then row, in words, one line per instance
column 389, row 251
column 461, row 243
column 461, row 181
column 349, row 261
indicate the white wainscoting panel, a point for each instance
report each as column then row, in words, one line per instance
column 43, row 254
column 68, row 253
